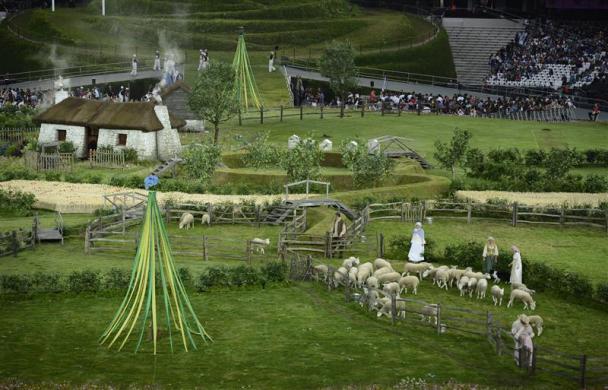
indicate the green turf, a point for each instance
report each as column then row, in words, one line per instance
column 297, row 337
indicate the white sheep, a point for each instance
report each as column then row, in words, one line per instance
column 523, row 296
column 429, row 312
column 350, row 262
column 482, row 286
column 320, row 270
column 391, row 288
column 371, row 297
column 186, row 221
column 432, row 271
column 381, row 263
column 462, row 285
column 390, row 277
column 523, row 287
column 386, row 308
column 416, row 268
column 477, row 275
column 206, row 219
column 409, row 281
column 339, row 275
column 471, row 286
column 363, row 273
column 383, row 271
column 536, row 322
column 456, row 274
column 497, row 294
column 258, row 244
column 352, row 276
column 441, row 278
column 372, row 282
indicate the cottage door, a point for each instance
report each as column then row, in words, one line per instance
column 91, row 135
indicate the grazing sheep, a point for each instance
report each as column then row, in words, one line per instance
column 497, row 294
column 482, row 286
column 432, row 271
column 352, row 275
column 523, row 296
column 495, row 277
column 416, row 268
column 381, row 263
column 206, row 219
column 429, row 312
column 409, row 281
column 350, row 262
column 462, row 285
column 454, row 275
column 371, row 297
column 477, row 275
column 339, row 276
column 363, row 273
column 372, row 282
column 186, row 221
column 390, row 277
column 523, row 287
column 258, row 244
column 536, row 322
column 386, row 308
column 383, row 271
column 441, row 278
column 471, row 286
column 320, row 270
column 391, row 288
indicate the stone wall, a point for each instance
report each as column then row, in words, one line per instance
column 169, row 143
column 143, row 142
column 74, row 134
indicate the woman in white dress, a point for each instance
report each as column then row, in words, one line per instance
column 416, row 254
column 516, row 266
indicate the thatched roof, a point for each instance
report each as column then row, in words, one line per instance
column 179, row 84
column 106, row 115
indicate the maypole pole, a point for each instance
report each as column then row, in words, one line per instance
column 139, row 308
column 246, row 88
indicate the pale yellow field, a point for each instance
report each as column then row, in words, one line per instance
column 537, row 198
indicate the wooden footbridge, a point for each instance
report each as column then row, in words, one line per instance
column 393, row 146
column 280, row 213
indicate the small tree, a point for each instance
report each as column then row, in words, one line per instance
column 304, row 161
column 213, row 96
column 338, row 64
column 200, row 161
column 261, row 153
column 368, row 168
column 452, row 154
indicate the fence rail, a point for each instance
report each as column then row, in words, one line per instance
column 106, row 158
column 18, row 135
column 62, row 162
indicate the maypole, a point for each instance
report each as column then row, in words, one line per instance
column 246, row 88
column 146, row 297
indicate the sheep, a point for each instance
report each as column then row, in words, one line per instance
column 258, row 244
column 471, row 286
column 523, row 296
column 339, row 276
column 456, row 274
column 370, row 297
column 497, row 294
column 383, row 271
column 386, row 308
column 206, row 219
column 477, row 275
column 482, row 286
column 322, row 270
column 350, row 262
column 352, row 275
column 409, row 281
column 523, row 287
column 463, row 285
column 536, row 322
column 363, row 273
column 381, row 263
column 186, row 221
column 432, row 271
column 390, row 277
column 391, row 288
column 372, row 282
column 441, row 278
column 429, row 312
column 416, row 268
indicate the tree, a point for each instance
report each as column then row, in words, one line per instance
column 452, row 154
column 213, row 96
column 200, row 161
column 337, row 63
column 368, row 169
column 304, row 161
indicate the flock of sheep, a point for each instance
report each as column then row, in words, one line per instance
column 381, row 275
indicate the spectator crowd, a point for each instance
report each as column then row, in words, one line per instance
column 20, row 97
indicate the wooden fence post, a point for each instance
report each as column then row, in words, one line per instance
column 261, row 115
column 398, row 109
column 393, row 308
column 240, row 118
column 362, row 110
column 438, row 319
column 257, row 214
column 514, row 218
column 248, row 252
column 532, row 368
column 327, row 244
column 606, row 212
column 469, row 209
column 281, row 117
column 210, row 212
column 301, row 112
column 14, row 243
column 583, row 368
column 321, row 111
column 561, row 216
column 402, row 219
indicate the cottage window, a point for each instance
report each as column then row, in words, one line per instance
column 61, row 135
column 122, row 140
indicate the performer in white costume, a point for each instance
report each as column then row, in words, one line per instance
column 516, row 266
column 156, row 61
column 416, row 254
column 134, row 65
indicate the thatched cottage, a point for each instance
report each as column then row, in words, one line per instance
column 176, row 97
column 148, row 128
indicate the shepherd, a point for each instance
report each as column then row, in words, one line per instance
column 490, row 256
column 134, row 65
column 416, row 253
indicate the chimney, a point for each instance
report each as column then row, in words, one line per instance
column 162, row 113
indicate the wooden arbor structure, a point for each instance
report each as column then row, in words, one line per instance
column 394, row 146
column 307, row 183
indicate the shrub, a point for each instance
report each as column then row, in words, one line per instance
column 185, row 276
column 93, row 178
column 535, row 157
column 261, row 153
column 19, row 284
column 66, row 147
column 601, row 292
column 596, row 183
column 116, row 279
column 118, row 181
column 72, row 178
column 200, row 161
column 304, row 161
column 84, row 281
column 130, row 155
column 244, row 276
column 16, row 202
column 560, row 161
column 52, row 176
column 47, row 282
column 274, row 271
column 368, row 169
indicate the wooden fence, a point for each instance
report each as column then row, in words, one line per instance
column 106, row 158
column 18, row 135
column 225, row 213
column 514, row 213
column 62, row 162
column 17, row 240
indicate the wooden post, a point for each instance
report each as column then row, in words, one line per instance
column 210, row 212
column 514, row 218
column 583, row 368
column 532, row 368
column 562, row 213
column 240, row 118
column 438, row 319
column 327, row 244
column 381, row 245
column 301, row 112
column 393, row 308
column 402, row 218
column 488, row 324
column 606, row 215
column 14, row 243
column 281, row 117
column 87, row 242
column 257, row 214
column 248, row 252
column 362, row 110
column 398, row 109
column 261, row 115
column 469, row 209
column 321, row 111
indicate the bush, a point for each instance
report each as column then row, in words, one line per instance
column 596, row 183
column 601, row 292
column 66, row 147
column 52, row 176
column 185, row 276
column 303, row 162
column 47, row 282
column 200, row 161
column 72, row 178
column 261, row 153
column 368, row 169
column 130, row 155
column 16, row 202
column 535, row 157
column 274, row 271
column 84, row 281
column 116, row 279
column 118, row 181
column 92, row 178
column 19, row 284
